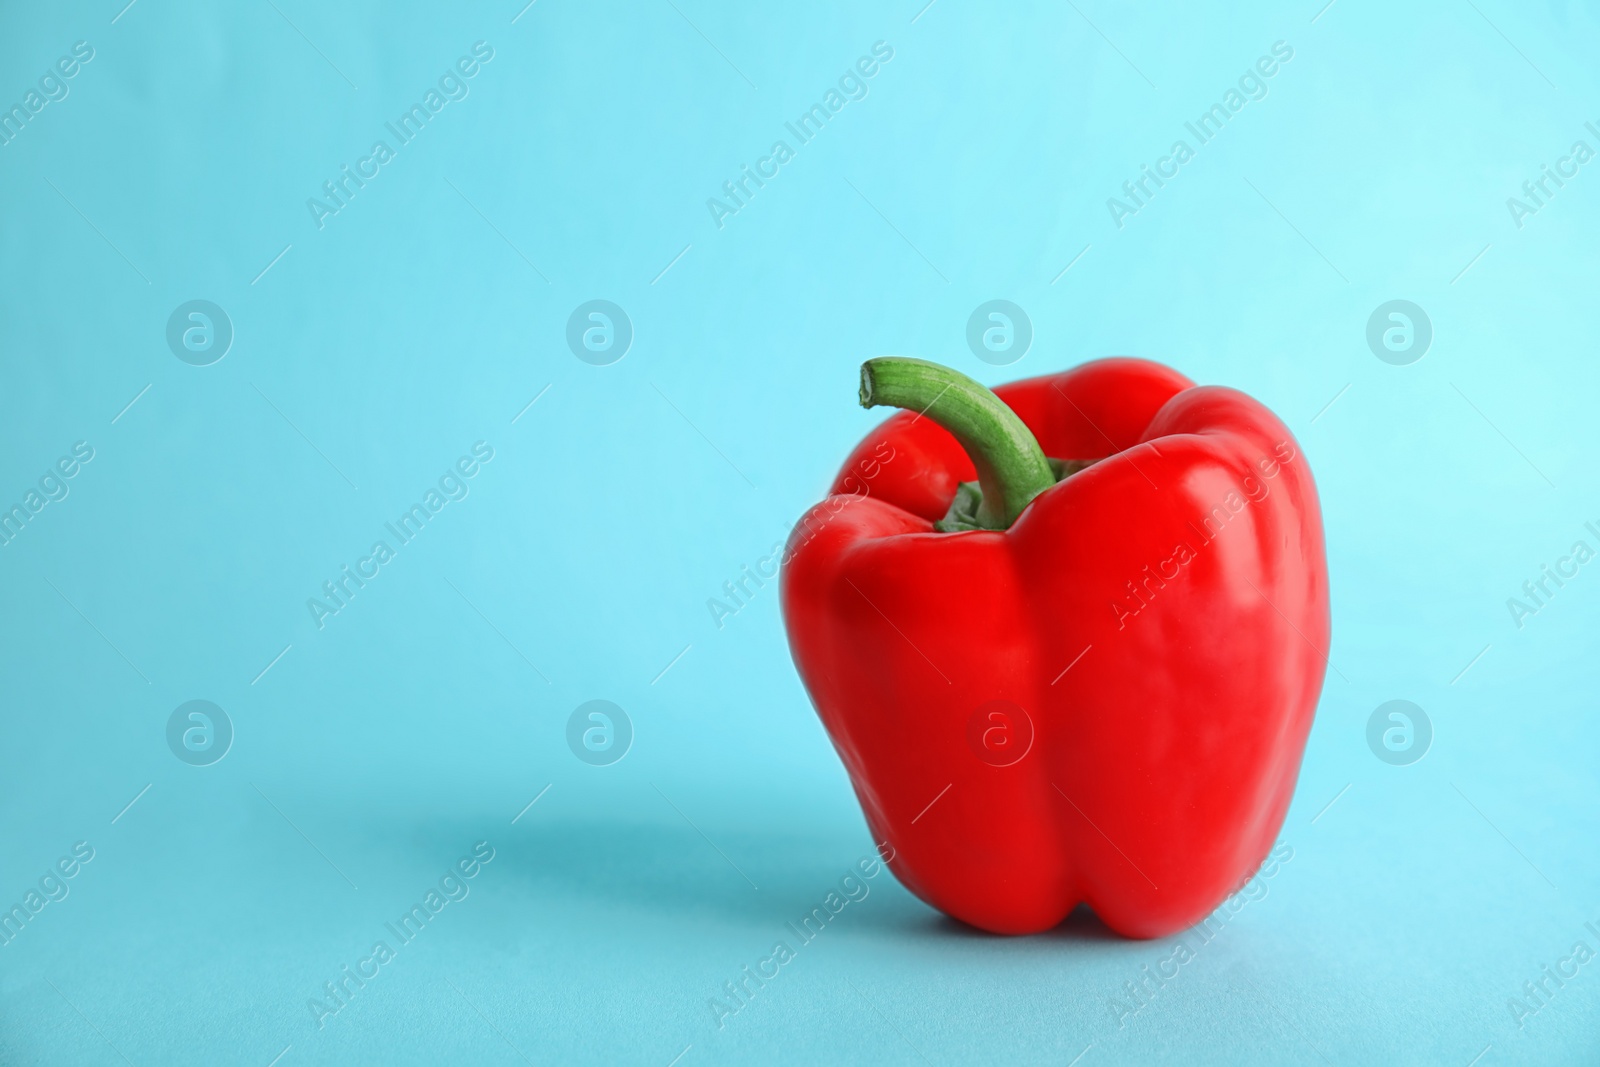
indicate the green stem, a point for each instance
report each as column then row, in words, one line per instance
column 1012, row 470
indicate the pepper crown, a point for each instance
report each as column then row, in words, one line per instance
column 1012, row 469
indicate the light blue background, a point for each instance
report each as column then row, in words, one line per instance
column 379, row 348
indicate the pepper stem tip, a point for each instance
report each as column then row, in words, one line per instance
column 1011, row 467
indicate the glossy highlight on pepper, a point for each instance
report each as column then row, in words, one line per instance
column 1070, row 643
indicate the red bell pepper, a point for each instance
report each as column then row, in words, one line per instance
column 1089, row 675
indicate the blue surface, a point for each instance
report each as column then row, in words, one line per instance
column 369, row 353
